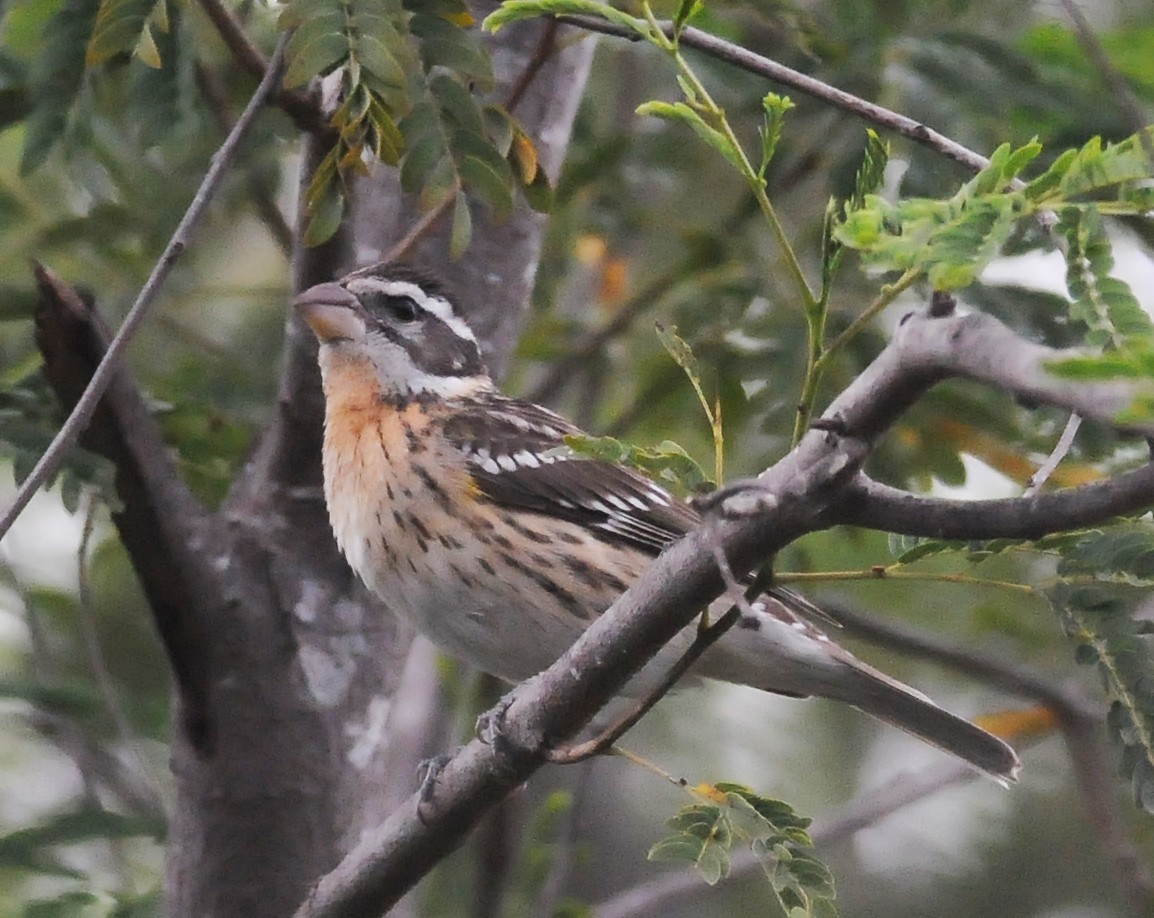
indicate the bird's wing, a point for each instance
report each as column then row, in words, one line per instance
column 516, row 454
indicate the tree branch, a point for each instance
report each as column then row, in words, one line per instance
column 88, row 400
column 159, row 520
column 303, row 107
column 1080, row 722
column 874, row 505
column 762, row 66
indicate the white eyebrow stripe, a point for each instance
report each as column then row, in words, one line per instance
column 435, row 305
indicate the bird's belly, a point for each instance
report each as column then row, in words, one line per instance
column 507, row 593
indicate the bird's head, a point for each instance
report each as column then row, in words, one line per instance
column 400, row 325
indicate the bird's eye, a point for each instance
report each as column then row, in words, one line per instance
column 401, row 308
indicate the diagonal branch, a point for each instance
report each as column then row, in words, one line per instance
column 87, row 402
column 762, row 66
column 795, row 497
column 159, row 518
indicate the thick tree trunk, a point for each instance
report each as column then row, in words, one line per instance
column 301, row 662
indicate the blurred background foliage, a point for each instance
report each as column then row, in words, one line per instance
column 647, row 225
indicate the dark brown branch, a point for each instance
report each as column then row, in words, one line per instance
column 877, row 506
column 762, row 66
column 303, row 107
column 159, row 518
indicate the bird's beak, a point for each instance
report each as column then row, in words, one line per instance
column 331, row 312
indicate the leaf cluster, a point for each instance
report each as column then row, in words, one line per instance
column 705, row 834
column 1105, row 576
column 408, row 72
column 29, row 418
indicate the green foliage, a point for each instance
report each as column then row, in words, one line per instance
column 29, row 418
column 951, row 241
column 33, row 848
column 56, row 78
column 666, row 462
column 1104, row 576
column 126, row 26
column 705, row 833
column 1104, row 304
column 408, row 75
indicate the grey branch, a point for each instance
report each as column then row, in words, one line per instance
column 86, row 405
column 797, row 494
column 786, row 76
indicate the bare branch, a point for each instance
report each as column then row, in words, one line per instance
column 877, row 506
column 1061, row 448
column 86, row 405
column 304, row 108
column 779, row 73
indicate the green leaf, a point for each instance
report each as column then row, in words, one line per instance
column 56, row 77
column 326, row 211
column 680, row 111
column 686, row 10
column 124, row 26
column 667, row 462
column 1103, row 302
column 774, row 108
column 1104, row 576
column 516, row 10
column 462, row 230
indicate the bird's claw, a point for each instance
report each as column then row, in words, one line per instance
column 427, row 773
column 491, row 724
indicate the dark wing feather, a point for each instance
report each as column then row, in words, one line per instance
column 517, row 458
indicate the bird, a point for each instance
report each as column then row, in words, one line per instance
column 465, row 512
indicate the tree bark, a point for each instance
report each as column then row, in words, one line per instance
column 304, row 662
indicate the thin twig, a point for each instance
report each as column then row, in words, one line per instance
column 704, row 639
column 1061, row 448
column 1121, row 90
column 303, row 108
column 546, row 45
column 428, row 222
column 772, row 70
column 88, row 401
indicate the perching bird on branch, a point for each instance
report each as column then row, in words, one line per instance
column 463, row 510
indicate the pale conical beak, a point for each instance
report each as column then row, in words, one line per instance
column 331, row 312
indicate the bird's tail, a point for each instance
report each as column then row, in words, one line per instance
column 909, row 710
column 777, row 647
